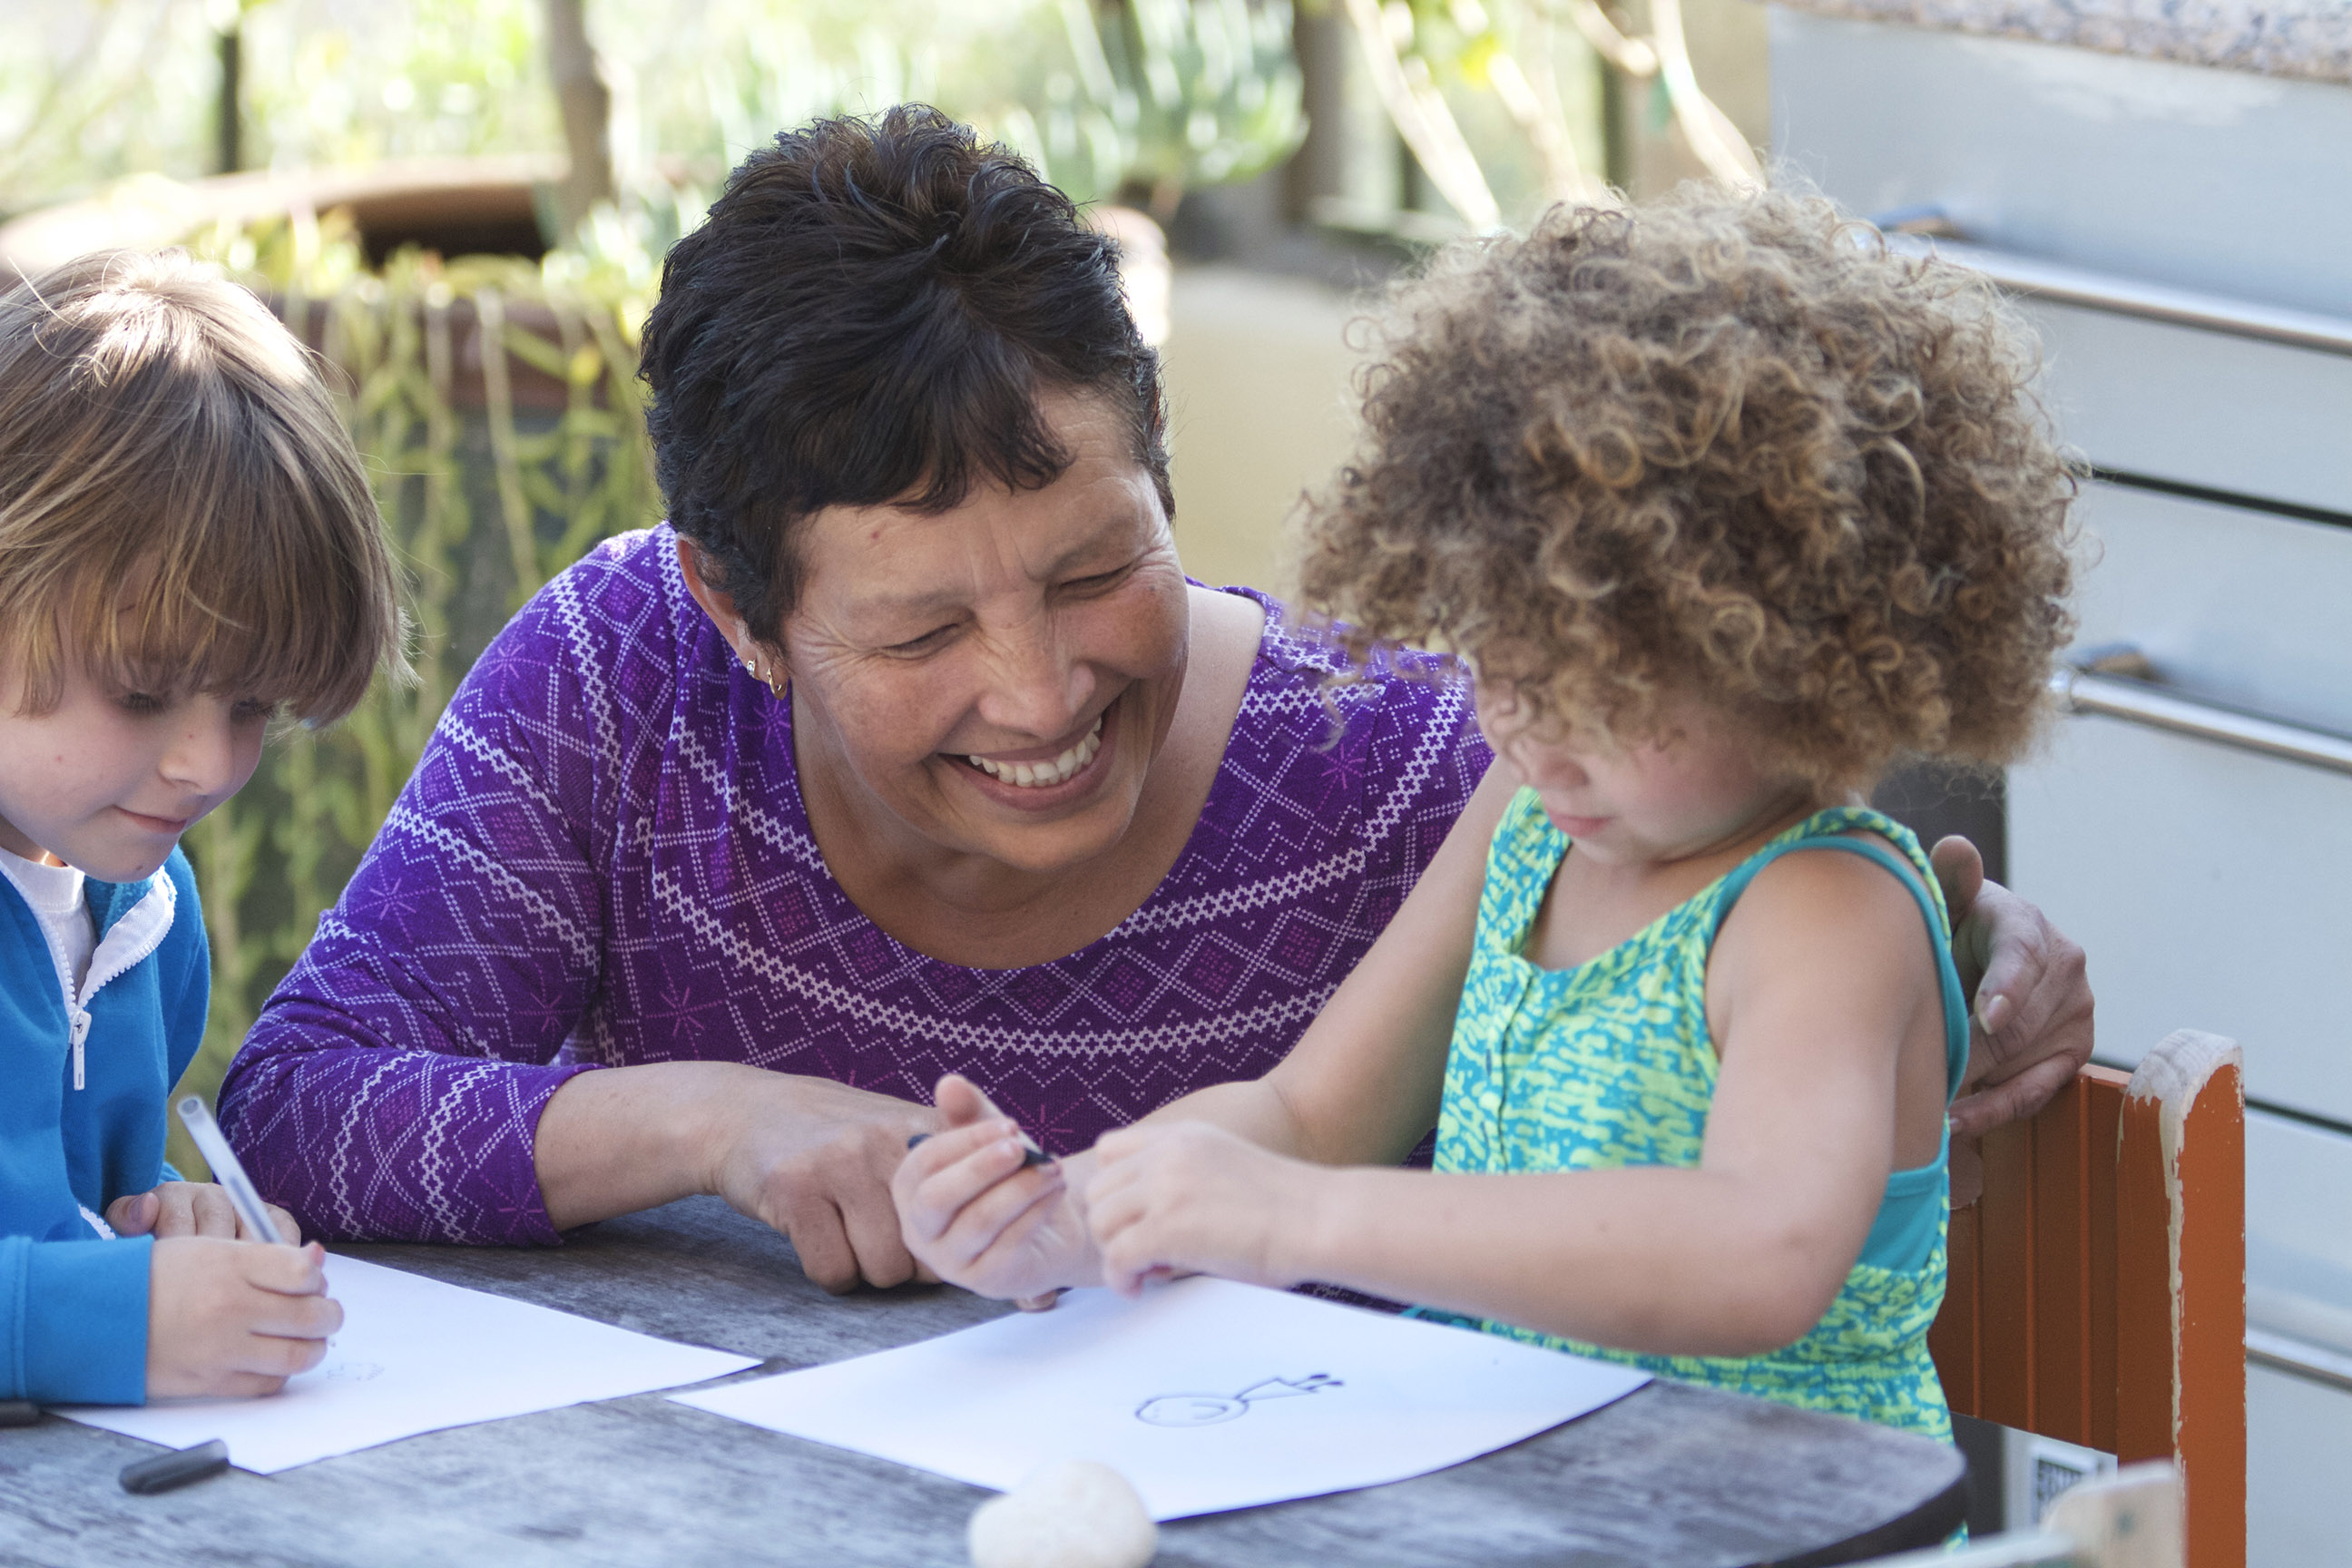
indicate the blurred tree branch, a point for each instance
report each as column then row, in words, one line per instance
column 1406, row 42
column 586, row 106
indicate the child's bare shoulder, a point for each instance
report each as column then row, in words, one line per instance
column 1845, row 904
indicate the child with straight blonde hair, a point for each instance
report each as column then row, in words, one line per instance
column 188, row 549
column 1729, row 510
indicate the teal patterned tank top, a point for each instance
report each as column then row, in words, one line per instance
column 1609, row 1064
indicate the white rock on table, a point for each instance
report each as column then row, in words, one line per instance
column 1074, row 1514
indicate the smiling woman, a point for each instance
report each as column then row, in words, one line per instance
column 906, row 748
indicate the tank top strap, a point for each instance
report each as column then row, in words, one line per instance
column 1520, row 859
column 1831, row 829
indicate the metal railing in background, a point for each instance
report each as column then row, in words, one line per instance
column 2069, row 285
column 2299, row 1358
column 2118, row 684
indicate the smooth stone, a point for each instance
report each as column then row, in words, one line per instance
column 1072, row 1514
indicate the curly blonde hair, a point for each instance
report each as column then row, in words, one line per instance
column 1728, row 446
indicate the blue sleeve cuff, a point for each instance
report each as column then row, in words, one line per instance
column 80, row 1321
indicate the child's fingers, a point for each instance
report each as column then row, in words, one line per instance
column 988, row 1191
column 133, row 1213
column 1014, row 1212
column 293, row 1319
column 1113, row 1147
column 287, row 1231
column 277, row 1356
column 288, row 1271
column 210, row 1211
column 959, row 1102
column 175, row 1210
column 1113, row 1207
column 933, row 1182
column 244, row 1385
column 1127, row 1261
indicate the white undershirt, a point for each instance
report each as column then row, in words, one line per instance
column 55, row 893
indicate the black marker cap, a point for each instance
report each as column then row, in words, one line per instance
column 177, row 1469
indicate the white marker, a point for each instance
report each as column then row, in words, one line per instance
column 225, row 1170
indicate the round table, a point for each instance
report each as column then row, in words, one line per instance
column 1669, row 1476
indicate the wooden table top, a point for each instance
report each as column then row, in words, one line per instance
column 1670, row 1477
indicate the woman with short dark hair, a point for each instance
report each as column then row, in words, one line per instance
column 904, row 747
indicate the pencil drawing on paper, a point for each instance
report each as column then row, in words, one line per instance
column 351, row 1371
column 1208, row 1409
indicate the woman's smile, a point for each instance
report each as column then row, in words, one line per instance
column 1043, row 767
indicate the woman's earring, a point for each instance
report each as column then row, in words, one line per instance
column 753, row 668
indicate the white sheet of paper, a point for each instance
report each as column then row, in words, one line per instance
column 416, row 1355
column 1206, row 1395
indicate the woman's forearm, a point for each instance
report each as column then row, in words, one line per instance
column 623, row 1139
column 1672, row 1261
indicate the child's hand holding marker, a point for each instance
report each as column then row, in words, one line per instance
column 223, row 1317
column 233, row 1318
column 979, row 1203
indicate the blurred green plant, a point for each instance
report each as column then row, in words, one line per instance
column 91, row 90
column 1132, row 100
column 1127, row 100
column 1177, row 92
column 496, row 405
column 334, row 84
column 1435, row 63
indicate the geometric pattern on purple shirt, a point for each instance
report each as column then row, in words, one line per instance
column 602, row 857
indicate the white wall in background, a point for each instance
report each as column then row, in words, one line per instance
column 1258, row 371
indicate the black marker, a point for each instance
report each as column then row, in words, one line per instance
column 1030, row 1153
column 177, row 1469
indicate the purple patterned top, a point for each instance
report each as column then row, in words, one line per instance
column 604, row 857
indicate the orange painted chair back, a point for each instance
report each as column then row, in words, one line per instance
column 2097, row 1289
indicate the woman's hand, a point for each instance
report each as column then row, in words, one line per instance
column 228, row 1318
column 813, row 1158
column 810, row 1157
column 976, row 1213
column 190, row 1208
column 2030, row 1021
column 1188, row 1197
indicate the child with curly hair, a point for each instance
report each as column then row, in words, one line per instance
column 1729, row 510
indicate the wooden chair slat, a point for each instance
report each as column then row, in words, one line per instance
column 2103, row 1103
column 1952, row 1338
column 2061, row 1286
column 2097, row 1289
column 2005, row 1267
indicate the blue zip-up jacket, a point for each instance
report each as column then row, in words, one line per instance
column 73, row 1307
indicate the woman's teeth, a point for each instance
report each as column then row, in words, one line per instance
column 1040, row 775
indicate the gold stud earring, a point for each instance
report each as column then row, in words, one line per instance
column 755, row 668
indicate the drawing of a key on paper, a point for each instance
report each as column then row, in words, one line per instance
column 1208, row 1409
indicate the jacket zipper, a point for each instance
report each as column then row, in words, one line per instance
column 119, row 962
